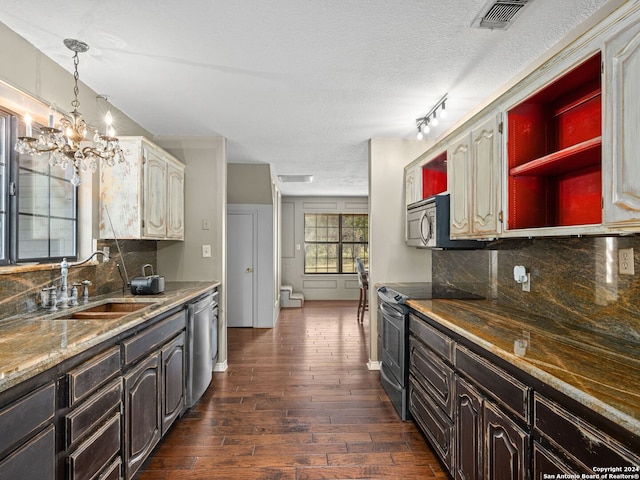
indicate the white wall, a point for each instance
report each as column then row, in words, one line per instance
column 205, row 197
column 390, row 260
column 315, row 287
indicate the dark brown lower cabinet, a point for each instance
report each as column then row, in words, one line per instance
column 501, row 426
column 468, row 432
column 33, row 460
column 437, row 427
column 506, row 446
column 173, row 381
column 143, row 428
column 91, row 457
column 547, row 463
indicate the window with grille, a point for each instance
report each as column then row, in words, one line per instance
column 332, row 241
column 38, row 203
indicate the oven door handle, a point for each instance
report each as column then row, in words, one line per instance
column 390, row 311
column 391, row 381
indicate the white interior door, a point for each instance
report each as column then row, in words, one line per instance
column 240, row 266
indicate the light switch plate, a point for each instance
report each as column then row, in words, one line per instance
column 206, row 251
column 625, row 261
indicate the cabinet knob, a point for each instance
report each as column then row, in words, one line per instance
column 249, row 270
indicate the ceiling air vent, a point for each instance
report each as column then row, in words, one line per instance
column 499, row 14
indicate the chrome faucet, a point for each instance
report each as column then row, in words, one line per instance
column 53, row 301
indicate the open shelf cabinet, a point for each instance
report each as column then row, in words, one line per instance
column 555, row 152
column 434, row 176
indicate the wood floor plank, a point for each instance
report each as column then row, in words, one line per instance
column 297, row 402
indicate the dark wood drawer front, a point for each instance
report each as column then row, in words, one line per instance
column 35, row 460
column 577, row 438
column 153, row 337
column 97, row 451
column 431, row 337
column 496, row 382
column 29, row 413
column 89, row 376
column 112, row 472
column 433, row 423
column 546, row 462
column 93, row 411
column 433, row 374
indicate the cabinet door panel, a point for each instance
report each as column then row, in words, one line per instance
column 173, row 378
column 175, row 203
column 622, row 159
column 485, row 178
column 142, row 412
column 468, row 432
column 458, row 178
column 155, row 195
column 506, row 446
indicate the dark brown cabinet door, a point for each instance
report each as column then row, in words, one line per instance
column 468, row 432
column 173, row 380
column 506, row 446
column 142, row 412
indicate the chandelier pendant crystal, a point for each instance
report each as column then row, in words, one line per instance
column 64, row 144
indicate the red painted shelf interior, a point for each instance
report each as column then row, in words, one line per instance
column 575, row 157
column 434, row 176
column 555, row 152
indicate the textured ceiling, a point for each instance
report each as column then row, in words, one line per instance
column 299, row 84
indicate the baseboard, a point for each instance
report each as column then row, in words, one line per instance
column 374, row 365
column 220, row 367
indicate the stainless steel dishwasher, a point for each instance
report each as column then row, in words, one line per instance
column 200, row 363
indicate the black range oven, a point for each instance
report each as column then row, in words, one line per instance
column 393, row 334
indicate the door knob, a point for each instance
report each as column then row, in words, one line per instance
column 249, row 270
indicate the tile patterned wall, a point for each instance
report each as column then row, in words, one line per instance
column 574, row 280
column 20, row 292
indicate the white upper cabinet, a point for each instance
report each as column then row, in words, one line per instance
column 144, row 195
column 621, row 155
column 473, row 174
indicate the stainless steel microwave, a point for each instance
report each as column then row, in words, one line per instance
column 428, row 225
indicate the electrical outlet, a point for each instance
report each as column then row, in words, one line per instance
column 625, row 261
column 206, row 251
column 105, row 257
column 206, row 225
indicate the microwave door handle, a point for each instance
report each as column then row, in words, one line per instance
column 421, row 229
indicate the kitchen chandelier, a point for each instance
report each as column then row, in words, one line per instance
column 63, row 144
column 431, row 118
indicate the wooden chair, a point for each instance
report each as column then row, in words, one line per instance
column 363, row 280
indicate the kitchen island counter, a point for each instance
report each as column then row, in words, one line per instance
column 598, row 371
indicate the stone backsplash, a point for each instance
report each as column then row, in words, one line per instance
column 20, row 291
column 574, row 280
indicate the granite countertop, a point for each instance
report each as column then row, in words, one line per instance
column 34, row 342
column 601, row 372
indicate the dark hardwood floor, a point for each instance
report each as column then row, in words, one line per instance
column 297, row 402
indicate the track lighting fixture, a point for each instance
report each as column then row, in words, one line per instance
column 431, row 118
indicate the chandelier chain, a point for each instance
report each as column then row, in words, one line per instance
column 75, row 103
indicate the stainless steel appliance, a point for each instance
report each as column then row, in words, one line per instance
column 393, row 334
column 200, row 363
column 428, row 225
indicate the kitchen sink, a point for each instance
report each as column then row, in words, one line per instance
column 109, row 310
